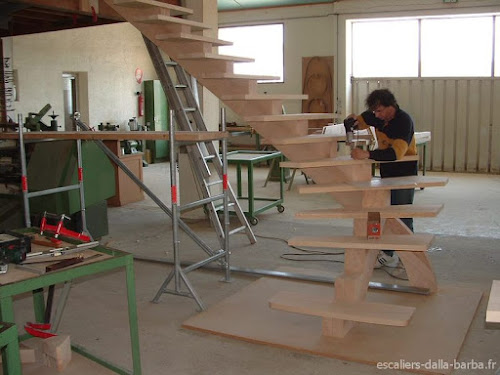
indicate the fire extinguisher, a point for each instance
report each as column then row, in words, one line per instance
column 140, row 104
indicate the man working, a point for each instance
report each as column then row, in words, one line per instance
column 396, row 138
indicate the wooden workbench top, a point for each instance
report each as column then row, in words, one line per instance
column 180, row 136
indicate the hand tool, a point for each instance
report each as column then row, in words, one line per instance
column 32, row 258
column 350, row 125
column 59, row 228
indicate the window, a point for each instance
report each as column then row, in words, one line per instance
column 385, row 49
column 426, row 47
column 457, row 47
column 264, row 43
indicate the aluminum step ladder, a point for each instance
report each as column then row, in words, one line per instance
column 180, row 96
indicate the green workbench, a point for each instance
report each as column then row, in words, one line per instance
column 249, row 159
column 17, row 281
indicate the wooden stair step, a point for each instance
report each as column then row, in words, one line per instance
column 212, row 56
column 146, row 4
column 290, row 117
column 187, row 37
column 364, row 312
column 308, row 139
column 390, row 183
column 227, row 75
column 493, row 309
column 404, row 210
column 163, row 19
column 399, row 242
column 339, row 161
column 262, row 97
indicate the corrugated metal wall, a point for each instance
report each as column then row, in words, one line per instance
column 463, row 115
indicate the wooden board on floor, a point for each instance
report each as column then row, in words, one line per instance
column 493, row 309
column 435, row 333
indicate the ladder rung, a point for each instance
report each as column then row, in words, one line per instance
column 237, row 230
column 216, row 182
column 209, row 157
column 170, row 63
column 181, row 86
column 201, row 202
column 190, row 109
column 218, row 208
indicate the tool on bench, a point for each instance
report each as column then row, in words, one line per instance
column 59, row 228
column 59, row 251
column 14, row 248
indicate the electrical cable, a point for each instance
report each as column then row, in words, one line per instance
column 308, row 252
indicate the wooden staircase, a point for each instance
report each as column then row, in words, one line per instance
column 350, row 182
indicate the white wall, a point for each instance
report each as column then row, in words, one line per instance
column 320, row 30
column 109, row 54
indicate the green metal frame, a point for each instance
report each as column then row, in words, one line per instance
column 11, row 359
column 259, row 157
column 36, row 284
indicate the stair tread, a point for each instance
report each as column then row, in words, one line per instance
column 290, row 117
column 212, row 56
column 152, row 3
column 227, row 75
column 377, row 184
column 339, row 161
column 400, row 242
column 312, row 138
column 263, row 97
column 164, row 19
column 404, row 210
column 187, row 37
column 365, row 312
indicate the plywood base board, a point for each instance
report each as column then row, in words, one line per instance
column 435, row 333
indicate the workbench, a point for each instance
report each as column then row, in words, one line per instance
column 17, row 281
column 249, row 159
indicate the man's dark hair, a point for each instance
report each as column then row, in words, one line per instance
column 381, row 97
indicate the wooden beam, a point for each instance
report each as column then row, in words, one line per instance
column 181, row 136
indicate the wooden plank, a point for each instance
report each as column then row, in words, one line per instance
column 290, row 117
column 377, row 184
column 339, row 160
column 364, row 312
column 188, row 37
column 263, row 97
column 246, row 316
column 181, row 136
column 404, row 210
column 212, row 56
column 231, row 75
column 308, row 139
column 493, row 309
column 146, row 4
column 162, row 19
column 399, row 242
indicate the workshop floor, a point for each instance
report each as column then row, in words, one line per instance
column 465, row 253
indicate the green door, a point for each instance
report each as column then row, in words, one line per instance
column 156, row 117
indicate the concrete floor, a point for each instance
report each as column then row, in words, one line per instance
column 465, row 253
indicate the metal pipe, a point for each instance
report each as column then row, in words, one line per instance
column 52, row 191
column 155, row 199
column 24, row 177
column 296, row 276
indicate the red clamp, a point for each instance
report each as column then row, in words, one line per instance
column 39, row 330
